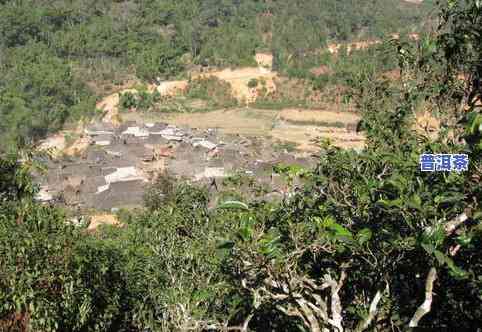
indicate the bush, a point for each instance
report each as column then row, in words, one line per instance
column 141, row 100
column 217, row 93
column 253, row 83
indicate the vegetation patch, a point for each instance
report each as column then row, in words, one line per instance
column 141, row 100
column 216, row 92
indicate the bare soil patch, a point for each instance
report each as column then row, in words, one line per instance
column 307, row 137
column 234, row 121
column 320, row 117
column 239, row 79
column 55, row 143
column 427, row 124
column 264, row 60
column 321, row 70
column 172, row 88
column 354, row 46
column 102, row 219
column 110, row 106
column 334, row 48
column 78, row 147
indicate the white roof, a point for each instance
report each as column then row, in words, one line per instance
column 124, row 174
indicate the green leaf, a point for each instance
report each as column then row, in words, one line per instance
column 434, row 236
column 477, row 215
column 245, row 233
column 202, row 295
column 415, row 202
column 429, row 248
column 457, row 272
column 441, row 258
column 391, row 203
column 399, row 182
column 226, row 245
column 234, row 205
column 454, row 270
column 452, row 198
column 337, row 230
column 270, row 243
column 364, row 236
column 475, row 122
column 464, row 239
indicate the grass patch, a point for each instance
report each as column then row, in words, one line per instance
column 336, row 124
column 278, row 104
column 183, row 105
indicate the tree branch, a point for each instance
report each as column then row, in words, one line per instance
column 363, row 325
column 452, row 225
column 246, row 323
column 314, row 325
column 426, row 306
column 293, row 313
column 336, row 308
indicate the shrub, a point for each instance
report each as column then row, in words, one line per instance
column 141, row 100
column 218, row 93
column 253, row 83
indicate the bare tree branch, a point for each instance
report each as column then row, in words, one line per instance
column 293, row 313
column 363, row 325
column 336, row 308
column 246, row 323
column 321, row 312
column 321, row 303
column 454, row 250
column 426, row 306
column 314, row 325
column 452, row 225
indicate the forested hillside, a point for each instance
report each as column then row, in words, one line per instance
column 56, row 56
column 365, row 241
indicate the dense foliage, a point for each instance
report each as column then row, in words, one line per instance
column 361, row 245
